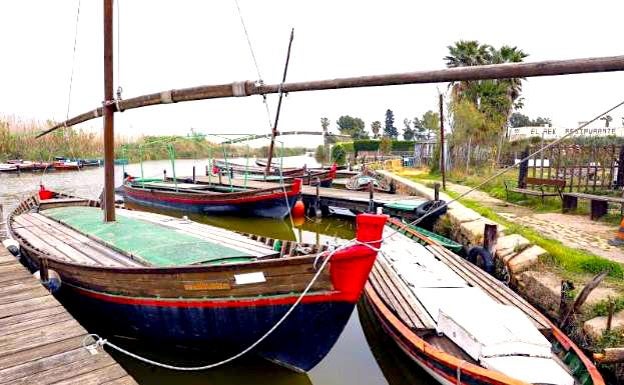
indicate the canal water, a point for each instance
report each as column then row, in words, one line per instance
column 363, row 354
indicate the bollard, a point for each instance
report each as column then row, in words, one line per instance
column 193, row 174
column 164, row 174
column 371, row 202
column 490, row 236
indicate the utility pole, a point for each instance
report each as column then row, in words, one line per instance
column 442, row 161
column 109, row 115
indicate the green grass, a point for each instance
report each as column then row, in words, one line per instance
column 573, row 260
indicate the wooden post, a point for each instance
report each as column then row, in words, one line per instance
column 620, row 172
column 193, row 174
column 164, row 175
column 371, row 196
column 610, row 314
column 317, row 201
column 523, row 170
column 43, row 270
column 109, row 116
column 490, row 236
column 436, row 192
column 442, row 160
column 565, row 301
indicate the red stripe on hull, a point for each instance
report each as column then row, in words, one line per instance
column 334, row 296
column 164, row 197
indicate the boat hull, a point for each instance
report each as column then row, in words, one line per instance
column 268, row 206
column 300, row 343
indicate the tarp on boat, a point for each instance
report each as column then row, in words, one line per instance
column 156, row 244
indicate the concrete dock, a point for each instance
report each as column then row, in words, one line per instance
column 40, row 342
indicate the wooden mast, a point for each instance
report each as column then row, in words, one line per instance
column 109, row 115
column 274, row 133
column 247, row 88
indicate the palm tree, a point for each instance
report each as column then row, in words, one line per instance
column 507, row 54
column 467, row 53
column 607, row 119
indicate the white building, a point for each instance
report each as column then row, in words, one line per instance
column 518, row 133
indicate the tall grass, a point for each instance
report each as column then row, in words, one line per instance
column 17, row 141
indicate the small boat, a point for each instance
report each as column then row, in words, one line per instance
column 463, row 326
column 213, row 198
column 309, row 177
column 7, row 167
column 224, row 166
column 364, row 179
column 89, row 162
column 62, row 163
column 22, row 165
column 181, row 283
column 449, row 244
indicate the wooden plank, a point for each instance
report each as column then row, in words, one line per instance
column 49, row 236
column 41, row 352
column 84, row 244
column 40, row 244
column 126, row 380
column 388, row 296
column 489, row 284
column 31, row 338
column 96, row 377
column 406, row 297
column 21, row 295
column 26, row 306
column 33, row 319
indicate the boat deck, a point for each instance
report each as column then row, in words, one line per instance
column 398, row 297
column 40, row 342
column 77, row 234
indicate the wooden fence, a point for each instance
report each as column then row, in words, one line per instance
column 584, row 167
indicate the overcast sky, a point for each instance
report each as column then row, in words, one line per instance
column 183, row 43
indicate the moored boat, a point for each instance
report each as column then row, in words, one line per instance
column 213, row 198
column 62, row 163
column 463, row 326
column 309, row 177
column 178, row 282
column 7, row 167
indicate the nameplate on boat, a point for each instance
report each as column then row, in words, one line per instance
column 244, row 279
column 207, row 286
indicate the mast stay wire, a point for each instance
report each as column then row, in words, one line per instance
column 255, row 61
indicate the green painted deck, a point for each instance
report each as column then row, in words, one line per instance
column 157, row 244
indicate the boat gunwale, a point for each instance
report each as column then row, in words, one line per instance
column 260, row 263
column 390, row 320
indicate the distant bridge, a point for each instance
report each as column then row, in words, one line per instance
column 284, row 133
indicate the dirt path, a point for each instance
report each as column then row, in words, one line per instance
column 576, row 231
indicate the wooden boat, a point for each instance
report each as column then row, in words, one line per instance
column 308, row 177
column 213, row 198
column 178, row 282
column 22, row 165
column 7, row 167
column 462, row 325
column 365, row 178
column 224, row 166
column 61, row 163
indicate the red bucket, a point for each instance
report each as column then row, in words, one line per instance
column 45, row 194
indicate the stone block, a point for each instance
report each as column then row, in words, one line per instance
column 542, row 289
column 596, row 326
column 510, row 244
column 525, row 259
column 473, row 231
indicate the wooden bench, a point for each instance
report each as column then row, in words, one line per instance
column 599, row 203
column 557, row 184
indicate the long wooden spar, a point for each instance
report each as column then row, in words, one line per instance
column 248, row 88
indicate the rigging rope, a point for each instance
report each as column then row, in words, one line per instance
column 253, row 56
column 71, row 76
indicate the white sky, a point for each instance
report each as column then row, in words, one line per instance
column 183, row 43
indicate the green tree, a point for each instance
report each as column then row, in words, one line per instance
column 420, row 132
column 408, row 132
column 541, row 122
column 375, row 128
column 389, row 129
column 339, row 154
column 519, row 120
column 354, row 127
column 385, row 145
column 324, row 124
column 431, row 122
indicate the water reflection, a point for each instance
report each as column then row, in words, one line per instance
column 351, row 361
